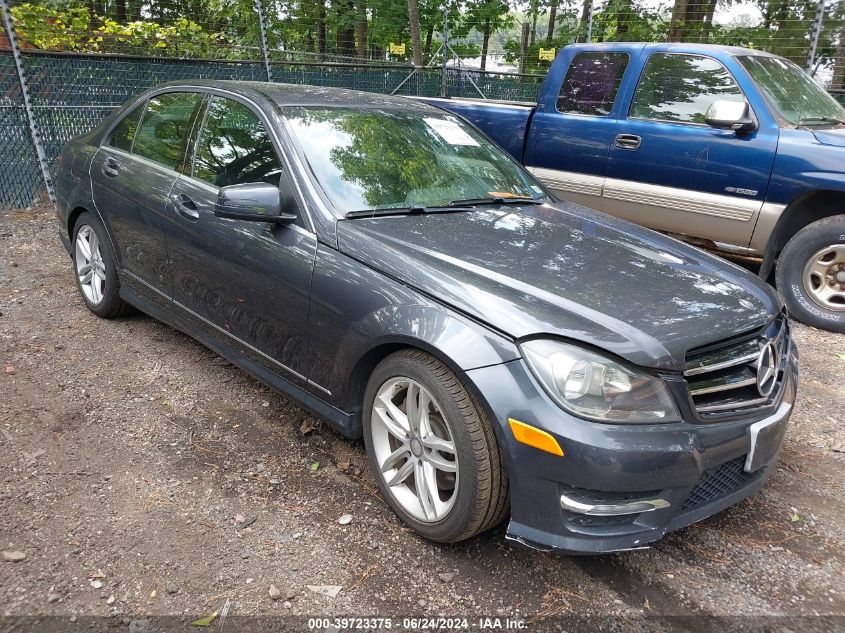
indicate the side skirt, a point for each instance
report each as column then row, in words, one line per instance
column 344, row 422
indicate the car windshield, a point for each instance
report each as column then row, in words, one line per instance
column 386, row 158
column 797, row 99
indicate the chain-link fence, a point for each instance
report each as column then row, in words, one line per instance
column 81, row 59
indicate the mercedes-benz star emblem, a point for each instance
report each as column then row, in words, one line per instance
column 768, row 367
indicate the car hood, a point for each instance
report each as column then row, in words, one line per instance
column 567, row 271
column 835, row 137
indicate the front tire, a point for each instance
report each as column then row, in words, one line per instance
column 94, row 268
column 432, row 449
column 811, row 274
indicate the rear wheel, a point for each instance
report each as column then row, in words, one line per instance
column 94, row 268
column 432, row 450
column 811, row 274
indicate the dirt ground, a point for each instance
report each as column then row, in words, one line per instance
column 141, row 476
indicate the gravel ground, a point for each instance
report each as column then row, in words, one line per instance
column 144, row 476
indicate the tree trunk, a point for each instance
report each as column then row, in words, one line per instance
column 676, row 26
column 120, row 11
column 485, row 44
column 321, row 29
column 523, row 47
column 345, row 35
column 361, row 29
column 707, row 24
column 552, row 17
column 585, row 18
column 535, row 11
column 429, row 34
column 838, row 81
column 416, row 39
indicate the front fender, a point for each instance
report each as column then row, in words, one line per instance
column 359, row 314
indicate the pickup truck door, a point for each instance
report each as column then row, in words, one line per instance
column 670, row 171
column 572, row 129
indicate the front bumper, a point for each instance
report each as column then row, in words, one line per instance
column 689, row 471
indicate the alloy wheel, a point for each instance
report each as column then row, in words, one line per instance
column 824, row 277
column 90, row 267
column 415, row 449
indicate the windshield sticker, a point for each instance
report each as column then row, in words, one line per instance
column 451, row 132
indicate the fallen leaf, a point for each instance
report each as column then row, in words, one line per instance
column 329, row 591
column 315, row 466
column 307, row 426
column 97, row 574
column 840, row 355
column 206, row 621
column 794, row 518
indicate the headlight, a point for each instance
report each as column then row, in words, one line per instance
column 595, row 387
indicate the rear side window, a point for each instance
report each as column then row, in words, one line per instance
column 591, row 83
column 681, row 87
column 234, row 147
column 164, row 130
column 124, row 132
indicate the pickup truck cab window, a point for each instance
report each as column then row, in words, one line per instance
column 591, row 83
column 680, row 87
column 797, row 99
column 234, row 147
column 163, row 134
column 124, row 132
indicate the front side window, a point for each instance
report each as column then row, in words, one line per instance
column 591, row 83
column 234, row 147
column 384, row 158
column 163, row 133
column 796, row 98
column 680, row 87
column 124, row 132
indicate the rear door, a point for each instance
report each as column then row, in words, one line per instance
column 245, row 283
column 131, row 177
column 671, row 171
column 572, row 132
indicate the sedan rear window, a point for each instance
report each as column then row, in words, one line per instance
column 384, row 158
column 162, row 136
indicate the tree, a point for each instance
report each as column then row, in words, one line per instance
column 488, row 16
column 414, row 20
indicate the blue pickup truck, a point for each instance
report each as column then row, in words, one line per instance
column 732, row 149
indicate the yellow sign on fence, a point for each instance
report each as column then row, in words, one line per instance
column 397, row 49
column 547, row 54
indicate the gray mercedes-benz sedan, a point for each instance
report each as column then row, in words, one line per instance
column 384, row 264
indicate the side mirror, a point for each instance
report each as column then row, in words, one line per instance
column 730, row 115
column 254, row 202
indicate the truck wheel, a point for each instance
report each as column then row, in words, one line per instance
column 811, row 274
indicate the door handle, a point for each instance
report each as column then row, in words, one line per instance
column 111, row 167
column 628, row 141
column 186, row 207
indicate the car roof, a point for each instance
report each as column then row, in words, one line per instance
column 290, row 95
column 711, row 49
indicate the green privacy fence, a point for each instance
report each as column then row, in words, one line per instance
column 71, row 93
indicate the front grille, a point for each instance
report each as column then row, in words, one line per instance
column 718, row 482
column 722, row 379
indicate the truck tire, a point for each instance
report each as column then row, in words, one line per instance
column 811, row 274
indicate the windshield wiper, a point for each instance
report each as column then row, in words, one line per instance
column 410, row 210
column 498, row 200
column 820, row 119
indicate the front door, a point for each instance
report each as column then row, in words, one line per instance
column 245, row 283
column 670, row 171
column 572, row 133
